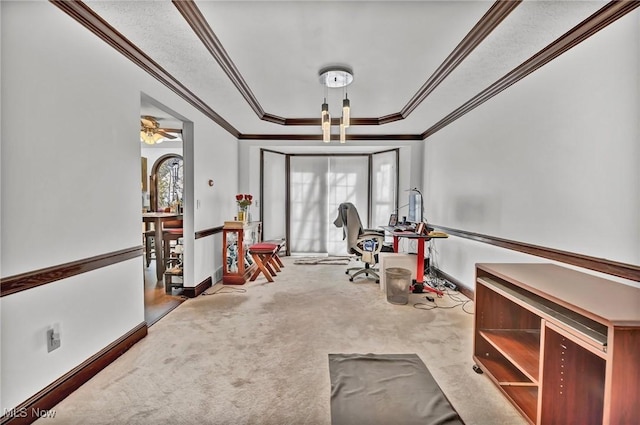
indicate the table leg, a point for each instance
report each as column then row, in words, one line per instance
column 158, row 249
column 420, row 261
column 395, row 243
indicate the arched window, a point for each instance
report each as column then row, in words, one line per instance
column 167, row 182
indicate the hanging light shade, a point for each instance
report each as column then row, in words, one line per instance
column 346, row 112
column 343, row 132
column 326, row 134
column 326, row 117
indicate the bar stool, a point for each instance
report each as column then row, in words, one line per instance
column 262, row 254
column 172, row 230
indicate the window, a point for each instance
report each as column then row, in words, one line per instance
column 167, row 175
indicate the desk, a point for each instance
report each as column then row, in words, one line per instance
column 420, row 256
column 157, row 218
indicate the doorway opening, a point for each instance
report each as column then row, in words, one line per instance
column 163, row 190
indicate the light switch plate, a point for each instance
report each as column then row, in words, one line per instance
column 53, row 340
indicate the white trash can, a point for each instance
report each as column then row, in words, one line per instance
column 398, row 282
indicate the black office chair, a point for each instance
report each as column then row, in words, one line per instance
column 364, row 243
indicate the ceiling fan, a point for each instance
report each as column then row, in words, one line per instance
column 151, row 132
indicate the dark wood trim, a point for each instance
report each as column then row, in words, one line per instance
column 467, row 292
column 20, row 282
column 614, row 268
column 329, row 154
column 198, row 289
column 208, row 232
column 71, row 381
column 201, row 28
column 94, row 23
column 313, row 122
column 494, row 16
column 396, row 116
column 611, row 12
column 334, row 137
column 608, row 14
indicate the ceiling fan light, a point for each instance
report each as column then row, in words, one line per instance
column 150, row 138
column 346, row 112
column 144, row 137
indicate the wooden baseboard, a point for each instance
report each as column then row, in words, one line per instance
column 41, row 404
column 469, row 293
column 198, row 289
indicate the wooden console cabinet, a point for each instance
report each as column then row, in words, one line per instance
column 236, row 239
column 563, row 346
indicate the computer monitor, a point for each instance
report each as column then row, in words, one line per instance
column 415, row 207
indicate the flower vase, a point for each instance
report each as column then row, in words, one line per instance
column 241, row 215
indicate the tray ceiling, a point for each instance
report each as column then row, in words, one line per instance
column 264, row 76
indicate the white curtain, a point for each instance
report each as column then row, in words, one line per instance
column 348, row 182
column 318, row 185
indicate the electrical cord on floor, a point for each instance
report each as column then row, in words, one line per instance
column 226, row 290
column 451, row 294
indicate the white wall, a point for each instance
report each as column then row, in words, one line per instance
column 551, row 161
column 71, row 190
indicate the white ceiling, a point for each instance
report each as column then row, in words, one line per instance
column 393, row 48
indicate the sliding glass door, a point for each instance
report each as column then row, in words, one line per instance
column 315, row 185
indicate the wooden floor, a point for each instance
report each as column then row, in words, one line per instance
column 156, row 302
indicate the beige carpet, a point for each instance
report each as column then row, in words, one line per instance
column 260, row 356
column 333, row 260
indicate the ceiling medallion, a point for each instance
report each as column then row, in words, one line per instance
column 336, row 76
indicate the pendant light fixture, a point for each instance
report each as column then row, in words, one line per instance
column 326, row 122
column 346, row 111
column 331, row 78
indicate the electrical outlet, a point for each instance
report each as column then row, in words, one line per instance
column 53, row 340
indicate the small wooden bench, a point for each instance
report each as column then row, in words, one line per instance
column 262, row 254
column 276, row 258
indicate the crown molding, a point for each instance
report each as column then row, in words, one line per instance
column 334, row 137
column 198, row 23
column 94, row 23
column 608, row 14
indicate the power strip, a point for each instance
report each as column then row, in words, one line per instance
column 450, row 285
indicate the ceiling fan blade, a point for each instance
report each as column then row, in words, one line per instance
column 148, row 121
column 165, row 134
column 171, row 130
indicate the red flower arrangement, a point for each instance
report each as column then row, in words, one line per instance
column 243, row 200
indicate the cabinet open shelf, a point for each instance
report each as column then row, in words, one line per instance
column 525, row 398
column 504, row 373
column 521, row 347
column 560, row 344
